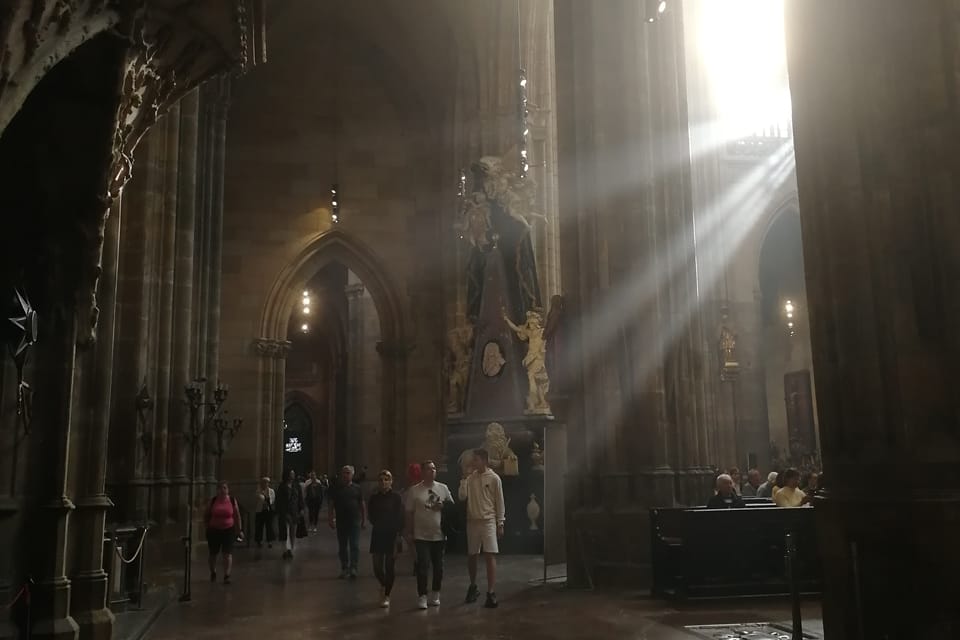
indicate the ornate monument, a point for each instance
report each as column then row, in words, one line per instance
column 498, row 375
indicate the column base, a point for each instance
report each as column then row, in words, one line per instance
column 95, row 625
column 55, row 629
column 88, row 605
column 890, row 567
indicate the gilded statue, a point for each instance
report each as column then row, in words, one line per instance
column 458, row 366
column 516, row 195
column 538, row 382
column 728, row 347
column 502, row 458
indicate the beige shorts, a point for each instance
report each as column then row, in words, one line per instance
column 482, row 537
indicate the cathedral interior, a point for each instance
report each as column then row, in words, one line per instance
column 625, row 246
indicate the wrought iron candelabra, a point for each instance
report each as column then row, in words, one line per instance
column 225, row 429
column 199, row 425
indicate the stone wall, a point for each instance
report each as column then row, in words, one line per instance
column 291, row 136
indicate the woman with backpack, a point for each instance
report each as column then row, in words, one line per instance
column 223, row 527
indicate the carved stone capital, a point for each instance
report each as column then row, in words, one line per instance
column 271, row 348
column 173, row 47
column 354, row 291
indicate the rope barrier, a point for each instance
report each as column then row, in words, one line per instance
column 24, row 592
column 143, row 537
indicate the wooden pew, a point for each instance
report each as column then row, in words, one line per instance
column 731, row 552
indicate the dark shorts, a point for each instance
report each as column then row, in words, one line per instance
column 220, row 540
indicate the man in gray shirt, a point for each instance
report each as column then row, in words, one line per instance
column 753, row 483
column 766, row 489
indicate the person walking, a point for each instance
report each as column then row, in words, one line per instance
column 313, row 495
column 483, row 491
column 347, row 513
column 424, row 505
column 385, row 510
column 289, row 511
column 266, row 504
column 223, row 526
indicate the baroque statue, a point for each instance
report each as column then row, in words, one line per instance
column 499, row 214
column 459, row 350
column 536, row 457
column 538, row 382
column 502, row 458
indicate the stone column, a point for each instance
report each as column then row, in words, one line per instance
column 216, row 99
column 877, row 118
column 394, row 357
column 637, row 420
column 169, row 399
column 88, row 461
column 182, row 342
column 356, row 372
column 273, row 353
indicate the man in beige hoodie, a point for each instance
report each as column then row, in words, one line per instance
column 483, row 492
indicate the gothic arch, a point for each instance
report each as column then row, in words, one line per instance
column 323, row 249
column 790, row 205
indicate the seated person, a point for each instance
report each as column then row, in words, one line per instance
column 766, row 489
column 790, row 495
column 726, row 497
column 753, row 483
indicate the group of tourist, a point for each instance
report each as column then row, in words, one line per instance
column 784, row 488
column 421, row 517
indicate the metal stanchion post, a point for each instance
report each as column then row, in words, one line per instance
column 794, row 587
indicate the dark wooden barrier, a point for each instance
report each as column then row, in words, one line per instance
column 731, row 552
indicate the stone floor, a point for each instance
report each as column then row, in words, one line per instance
column 276, row 600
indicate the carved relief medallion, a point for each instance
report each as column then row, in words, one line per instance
column 493, row 359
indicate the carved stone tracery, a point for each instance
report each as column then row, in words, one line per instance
column 272, row 348
column 172, row 46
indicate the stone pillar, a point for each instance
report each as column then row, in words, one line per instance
column 638, row 427
column 273, row 353
column 168, row 403
column 876, row 111
column 182, row 342
column 44, row 547
column 356, row 371
column 88, row 460
column 215, row 99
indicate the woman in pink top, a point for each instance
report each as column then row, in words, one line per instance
column 223, row 523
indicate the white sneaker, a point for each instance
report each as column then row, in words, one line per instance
column 434, row 599
column 385, row 603
column 422, row 602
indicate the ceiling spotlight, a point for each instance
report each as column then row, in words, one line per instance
column 306, row 311
column 655, row 9
column 305, row 328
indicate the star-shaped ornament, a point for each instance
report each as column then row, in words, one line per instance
column 21, row 327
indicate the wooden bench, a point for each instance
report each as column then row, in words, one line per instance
column 703, row 552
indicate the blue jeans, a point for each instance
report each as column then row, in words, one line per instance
column 348, row 538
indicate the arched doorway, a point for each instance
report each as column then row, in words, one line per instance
column 335, row 315
column 297, row 437
column 787, row 357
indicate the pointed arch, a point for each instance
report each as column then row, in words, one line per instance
column 323, row 249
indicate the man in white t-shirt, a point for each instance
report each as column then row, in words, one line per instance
column 424, row 507
column 483, row 492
